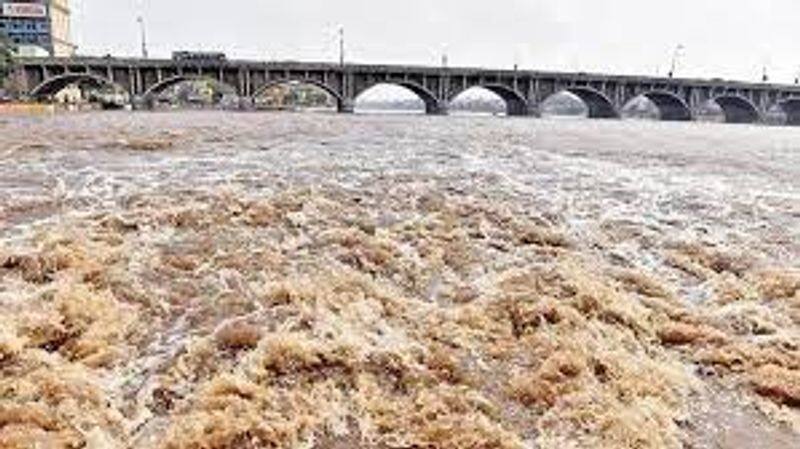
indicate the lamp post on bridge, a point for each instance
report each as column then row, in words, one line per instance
column 140, row 19
column 346, row 104
column 341, row 46
column 675, row 55
column 442, row 104
column 766, row 62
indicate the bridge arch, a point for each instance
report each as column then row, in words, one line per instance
column 516, row 104
column 432, row 104
column 53, row 85
column 671, row 107
column 597, row 103
column 331, row 91
column 272, row 83
column 165, row 84
column 287, row 81
column 737, row 109
column 791, row 108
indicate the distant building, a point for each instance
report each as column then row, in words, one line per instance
column 38, row 27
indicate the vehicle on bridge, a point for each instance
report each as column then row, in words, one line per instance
column 198, row 56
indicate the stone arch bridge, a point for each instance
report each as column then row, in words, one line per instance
column 523, row 91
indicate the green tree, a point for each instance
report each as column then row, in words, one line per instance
column 6, row 57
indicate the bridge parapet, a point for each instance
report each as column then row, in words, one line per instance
column 523, row 91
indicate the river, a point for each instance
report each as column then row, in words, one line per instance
column 224, row 280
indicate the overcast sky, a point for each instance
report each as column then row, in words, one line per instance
column 722, row 38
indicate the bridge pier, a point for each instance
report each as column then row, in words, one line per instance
column 346, row 106
column 440, row 107
column 533, row 110
column 247, row 104
column 140, row 102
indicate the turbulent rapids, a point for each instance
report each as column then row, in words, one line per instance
column 210, row 280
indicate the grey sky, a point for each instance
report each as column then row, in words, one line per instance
column 725, row 38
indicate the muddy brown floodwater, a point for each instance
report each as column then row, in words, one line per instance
column 199, row 280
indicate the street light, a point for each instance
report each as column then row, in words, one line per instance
column 765, row 63
column 144, row 36
column 675, row 55
column 341, row 45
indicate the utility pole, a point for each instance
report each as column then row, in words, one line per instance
column 444, row 85
column 516, row 60
column 144, row 36
column 341, row 46
column 675, row 55
column 347, row 104
column 765, row 63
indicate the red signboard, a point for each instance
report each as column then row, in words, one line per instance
column 24, row 10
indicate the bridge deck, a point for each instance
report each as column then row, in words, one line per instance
column 524, row 91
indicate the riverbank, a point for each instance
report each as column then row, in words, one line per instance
column 45, row 109
column 30, row 109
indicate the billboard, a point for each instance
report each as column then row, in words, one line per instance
column 24, row 10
